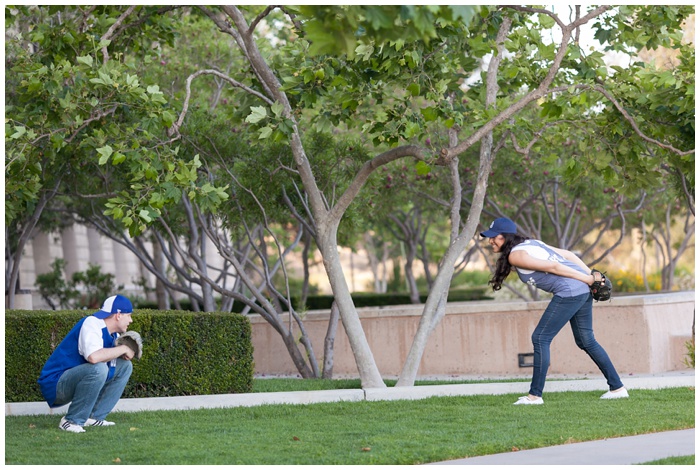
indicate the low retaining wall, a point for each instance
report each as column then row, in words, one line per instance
column 643, row 334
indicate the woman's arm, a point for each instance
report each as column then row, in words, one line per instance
column 566, row 254
column 521, row 259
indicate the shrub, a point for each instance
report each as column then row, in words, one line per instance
column 689, row 360
column 59, row 293
column 185, row 353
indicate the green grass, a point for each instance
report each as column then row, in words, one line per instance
column 401, row 432
column 682, row 460
column 297, row 385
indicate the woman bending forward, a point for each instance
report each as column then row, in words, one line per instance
column 563, row 274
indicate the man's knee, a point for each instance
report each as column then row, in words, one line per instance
column 99, row 370
column 124, row 368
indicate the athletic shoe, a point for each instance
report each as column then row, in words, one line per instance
column 622, row 393
column 526, row 401
column 70, row 426
column 98, row 422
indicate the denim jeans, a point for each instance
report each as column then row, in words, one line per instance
column 578, row 311
column 89, row 395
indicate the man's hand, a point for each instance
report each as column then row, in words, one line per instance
column 133, row 341
column 128, row 352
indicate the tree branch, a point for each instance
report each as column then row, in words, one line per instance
column 175, row 128
column 112, row 29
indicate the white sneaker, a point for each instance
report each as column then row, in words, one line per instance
column 70, row 426
column 621, row 393
column 526, row 401
column 98, row 422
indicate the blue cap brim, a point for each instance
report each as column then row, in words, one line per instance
column 489, row 234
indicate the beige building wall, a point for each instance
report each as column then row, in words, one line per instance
column 642, row 334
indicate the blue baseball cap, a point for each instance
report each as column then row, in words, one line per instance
column 114, row 304
column 500, row 225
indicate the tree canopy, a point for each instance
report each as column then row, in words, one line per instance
column 224, row 122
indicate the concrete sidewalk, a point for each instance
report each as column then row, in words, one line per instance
column 655, row 381
column 618, row 451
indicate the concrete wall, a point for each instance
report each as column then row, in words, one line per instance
column 642, row 334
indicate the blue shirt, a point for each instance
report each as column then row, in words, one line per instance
column 66, row 356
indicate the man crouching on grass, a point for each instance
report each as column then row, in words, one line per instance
column 87, row 370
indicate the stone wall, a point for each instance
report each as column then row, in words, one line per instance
column 643, row 334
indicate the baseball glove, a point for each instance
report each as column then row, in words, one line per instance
column 601, row 289
column 133, row 340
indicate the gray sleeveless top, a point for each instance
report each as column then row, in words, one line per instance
column 557, row 285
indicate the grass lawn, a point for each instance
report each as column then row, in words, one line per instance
column 401, row 432
column 297, row 385
column 684, row 460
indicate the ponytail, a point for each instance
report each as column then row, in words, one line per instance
column 503, row 266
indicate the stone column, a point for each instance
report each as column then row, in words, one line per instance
column 76, row 251
column 100, row 251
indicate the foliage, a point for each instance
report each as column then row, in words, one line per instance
column 313, row 100
column 72, row 113
column 632, row 281
column 689, row 361
column 97, row 286
column 177, row 358
column 53, row 286
column 85, row 289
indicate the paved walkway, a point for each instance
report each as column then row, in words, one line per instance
column 618, row 451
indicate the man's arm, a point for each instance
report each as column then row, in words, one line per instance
column 107, row 354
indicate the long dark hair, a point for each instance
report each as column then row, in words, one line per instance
column 503, row 266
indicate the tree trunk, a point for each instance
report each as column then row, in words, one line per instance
column 13, row 285
column 162, row 295
column 330, row 342
column 434, row 308
column 408, row 272
column 367, row 367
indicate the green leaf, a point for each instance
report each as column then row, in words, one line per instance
column 364, row 50
column 422, row 168
column 429, row 113
column 87, row 60
column 277, row 109
column 168, row 118
column 20, row 131
column 414, row 89
column 118, row 158
column 412, row 129
column 546, row 21
column 265, row 132
column 105, row 153
column 143, row 213
column 257, row 114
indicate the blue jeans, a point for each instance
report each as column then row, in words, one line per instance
column 89, row 392
column 578, row 311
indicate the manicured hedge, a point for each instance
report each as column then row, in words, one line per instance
column 370, row 299
column 185, row 353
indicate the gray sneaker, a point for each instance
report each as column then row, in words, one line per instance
column 98, row 422
column 526, row 401
column 621, row 393
column 70, row 426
